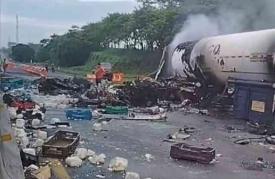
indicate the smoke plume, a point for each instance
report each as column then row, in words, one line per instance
column 231, row 16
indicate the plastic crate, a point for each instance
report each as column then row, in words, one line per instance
column 183, row 151
column 12, row 84
column 23, row 105
column 78, row 114
column 61, row 145
column 122, row 110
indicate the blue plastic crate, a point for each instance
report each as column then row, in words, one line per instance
column 11, row 84
column 78, row 114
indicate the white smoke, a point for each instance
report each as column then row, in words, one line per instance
column 231, row 17
column 191, row 31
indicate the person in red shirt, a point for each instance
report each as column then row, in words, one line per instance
column 100, row 73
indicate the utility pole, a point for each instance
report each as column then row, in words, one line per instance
column 17, row 29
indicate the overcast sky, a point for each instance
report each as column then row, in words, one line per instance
column 39, row 19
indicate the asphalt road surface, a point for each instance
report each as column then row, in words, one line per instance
column 133, row 139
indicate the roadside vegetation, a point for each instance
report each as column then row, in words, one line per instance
column 132, row 42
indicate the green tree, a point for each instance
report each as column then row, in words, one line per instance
column 22, row 53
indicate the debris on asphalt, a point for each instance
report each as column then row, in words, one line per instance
column 74, row 161
column 38, row 143
column 246, row 141
column 90, row 153
column 270, row 140
column 78, row 114
column 55, row 120
column 148, row 92
column 97, row 127
column 40, row 136
column 132, row 175
column 61, row 145
column 118, row 164
column 179, row 136
column 20, row 123
column 100, row 176
column 149, row 157
column 82, row 153
column 97, row 159
column 258, row 165
column 43, row 172
column 36, row 122
column 255, row 128
column 242, row 141
column 30, row 151
column 187, row 152
column 55, row 86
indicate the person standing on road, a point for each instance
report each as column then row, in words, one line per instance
column 5, row 65
column 53, row 69
column 47, row 68
column 100, row 72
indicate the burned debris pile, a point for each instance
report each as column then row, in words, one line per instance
column 148, row 92
column 55, row 86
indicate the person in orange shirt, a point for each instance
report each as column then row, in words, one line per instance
column 100, row 73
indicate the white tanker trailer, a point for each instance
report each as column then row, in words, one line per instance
column 213, row 60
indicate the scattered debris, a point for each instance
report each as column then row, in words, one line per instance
column 187, row 152
column 58, row 169
column 257, row 129
column 20, row 123
column 248, row 140
column 149, row 157
column 189, row 130
column 42, row 134
column 104, row 122
column 61, row 145
column 270, row 140
column 38, row 143
column 242, row 141
column 74, row 161
column 55, row 120
column 82, row 153
column 257, row 165
column 54, row 86
column 30, row 151
column 118, row 164
column 90, row 153
column 42, row 173
column 178, row 136
column 36, row 122
column 100, row 176
column 33, row 167
column 97, row 159
column 97, row 127
column 78, row 114
column 132, row 175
